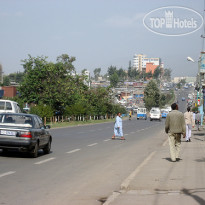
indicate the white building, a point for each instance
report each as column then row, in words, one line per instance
column 140, row 61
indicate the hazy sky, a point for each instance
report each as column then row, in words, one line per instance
column 99, row 33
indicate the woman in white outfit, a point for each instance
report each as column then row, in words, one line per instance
column 189, row 121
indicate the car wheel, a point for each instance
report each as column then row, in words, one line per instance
column 47, row 148
column 150, row 119
column 137, row 118
column 34, row 152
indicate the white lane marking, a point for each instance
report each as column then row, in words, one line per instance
column 126, row 134
column 44, row 161
column 90, row 145
column 72, row 151
column 112, row 198
column 127, row 181
column 107, row 140
column 132, row 132
column 6, row 173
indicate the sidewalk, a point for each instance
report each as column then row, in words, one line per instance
column 161, row 182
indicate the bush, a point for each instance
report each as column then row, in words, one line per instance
column 42, row 110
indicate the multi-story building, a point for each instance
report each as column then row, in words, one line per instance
column 140, row 61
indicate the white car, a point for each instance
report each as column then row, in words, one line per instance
column 9, row 106
column 155, row 114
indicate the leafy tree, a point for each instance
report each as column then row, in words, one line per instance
column 121, row 74
column 50, row 83
column 114, row 79
column 42, row 110
column 111, row 70
column 151, row 95
column 6, row 81
column 157, row 73
column 167, row 74
column 83, row 71
column 66, row 61
column 97, row 73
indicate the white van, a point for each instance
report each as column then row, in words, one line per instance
column 9, row 106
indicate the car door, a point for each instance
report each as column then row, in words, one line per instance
column 39, row 133
column 44, row 135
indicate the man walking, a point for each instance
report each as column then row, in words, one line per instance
column 189, row 121
column 118, row 127
column 198, row 120
column 174, row 127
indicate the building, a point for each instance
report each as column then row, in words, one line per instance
column 140, row 61
column 150, row 67
column 9, row 91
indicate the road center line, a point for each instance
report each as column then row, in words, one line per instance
column 107, row 140
column 90, row 145
column 72, row 151
column 44, row 161
column 6, row 173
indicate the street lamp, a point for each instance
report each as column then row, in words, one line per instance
column 190, row 59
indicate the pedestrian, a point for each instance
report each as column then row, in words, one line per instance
column 175, row 127
column 189, row 121
column 130, row 115
column 118, row 132
column 198, row 120
column 194, row 114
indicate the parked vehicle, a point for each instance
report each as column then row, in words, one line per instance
column 155, row 114
column 24, row 133
column 142, row 113
column 9, row 106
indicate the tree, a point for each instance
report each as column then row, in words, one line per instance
column 6, row 81
column 121, row 74
column 157, row 73
column 114, row 79
column 151, row 95
column 111, row 70
column 167, row 74
column 97, row 73
column 67, row 62
column 50, row 83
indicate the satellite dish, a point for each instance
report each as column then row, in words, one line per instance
column 190, row 59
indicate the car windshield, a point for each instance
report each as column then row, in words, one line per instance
column 15, row 120
column 155, row 111
column 141, row 110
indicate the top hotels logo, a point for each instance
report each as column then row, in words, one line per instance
column 173, row 21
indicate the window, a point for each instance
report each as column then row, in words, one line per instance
column 40, row 122
column 2, row 105
column 8, row 106
column 36, row 123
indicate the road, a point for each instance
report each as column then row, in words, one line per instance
column 84, row 167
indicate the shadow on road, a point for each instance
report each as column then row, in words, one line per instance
column 192, row 193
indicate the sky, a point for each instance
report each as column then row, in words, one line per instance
column 99, row 33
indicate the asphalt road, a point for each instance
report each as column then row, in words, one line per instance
column 84, row 167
